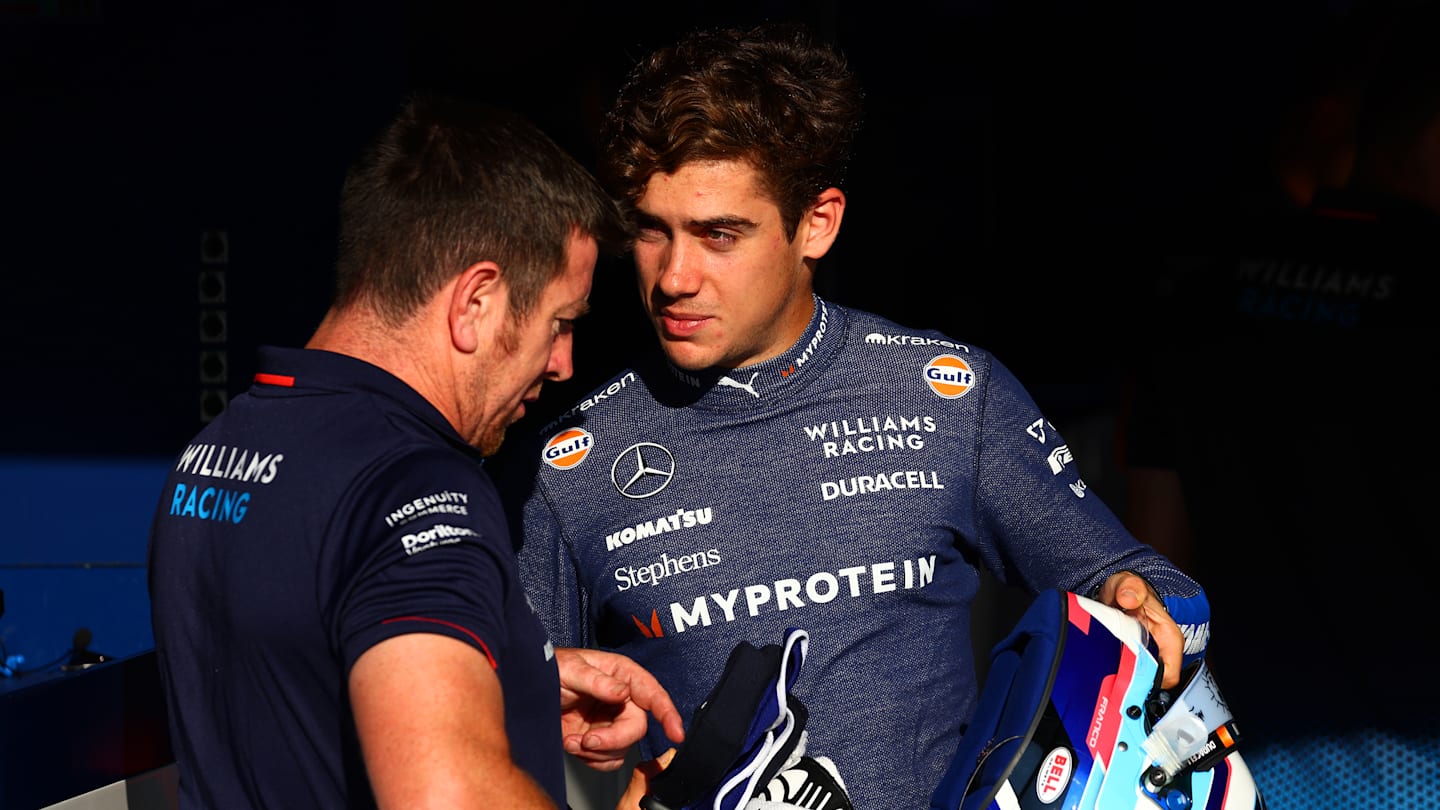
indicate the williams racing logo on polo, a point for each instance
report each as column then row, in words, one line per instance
column 224, row 504
column 948, row 376
column 568, row 448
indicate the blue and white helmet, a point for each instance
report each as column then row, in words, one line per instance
column 1072, row 717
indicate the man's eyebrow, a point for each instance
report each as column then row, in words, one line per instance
column 739, row 223
column 645, row 220
column 728, row 221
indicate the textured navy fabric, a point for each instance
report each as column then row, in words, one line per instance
column 316, row 517
column 850, row 486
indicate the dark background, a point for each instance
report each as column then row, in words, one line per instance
column 1018, row 164
column 169, row 173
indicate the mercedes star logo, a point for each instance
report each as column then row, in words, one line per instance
column 642, row 470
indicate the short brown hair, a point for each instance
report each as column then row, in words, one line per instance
column 450, row 183
column 770, row 96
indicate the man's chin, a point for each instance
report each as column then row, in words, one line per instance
column 490, row 442
column 687, row 356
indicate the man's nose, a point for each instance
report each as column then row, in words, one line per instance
column 680, row 273
column 562, row 363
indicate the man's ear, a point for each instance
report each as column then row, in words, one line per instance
column 821, row 224
column 478, row 300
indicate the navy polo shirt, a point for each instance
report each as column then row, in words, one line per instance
column 328, row 508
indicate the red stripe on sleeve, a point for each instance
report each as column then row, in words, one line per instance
column 275, row 379
column 452, row 626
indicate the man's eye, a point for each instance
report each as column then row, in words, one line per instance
column 724, row 238
column 650, row 234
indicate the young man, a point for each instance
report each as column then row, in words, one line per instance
column 787, row 462
column 336, row 606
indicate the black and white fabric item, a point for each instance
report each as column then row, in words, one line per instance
column 745, row 746
column 812, row 783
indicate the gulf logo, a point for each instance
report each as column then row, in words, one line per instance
column 949, row 376
column 568, row 448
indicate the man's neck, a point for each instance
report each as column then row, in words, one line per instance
column 401, row 350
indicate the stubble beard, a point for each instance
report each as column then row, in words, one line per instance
column 507, row 342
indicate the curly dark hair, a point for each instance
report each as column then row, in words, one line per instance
column 771, row 96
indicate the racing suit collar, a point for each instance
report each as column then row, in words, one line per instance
column 752, row 386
